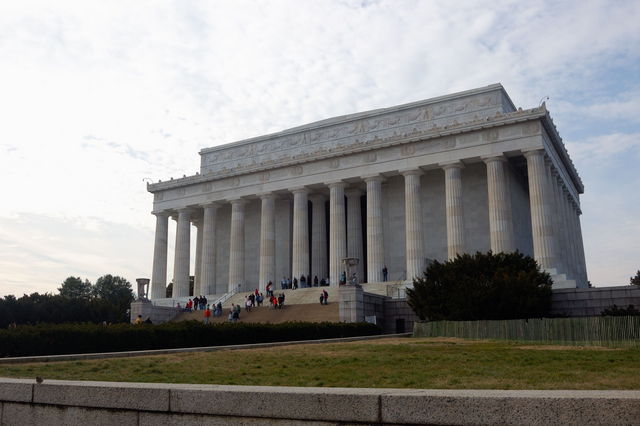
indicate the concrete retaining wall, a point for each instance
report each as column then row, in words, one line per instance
column 102, row 403
column 158, row 314
column 584, row 302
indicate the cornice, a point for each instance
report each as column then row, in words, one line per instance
column 497, row 120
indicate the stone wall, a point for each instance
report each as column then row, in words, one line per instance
column 158, row 314
column 398, row 315
column 102, row 403
column 584, row 302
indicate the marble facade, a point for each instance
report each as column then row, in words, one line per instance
column 397, row 186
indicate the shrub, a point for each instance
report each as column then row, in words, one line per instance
column 481, row 287
column 614, row 311
column 52, row 339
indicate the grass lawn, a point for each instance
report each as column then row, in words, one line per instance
column 427, row 363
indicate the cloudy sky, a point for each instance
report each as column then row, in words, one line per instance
column 96, row 97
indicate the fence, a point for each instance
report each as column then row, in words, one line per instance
column 585, row 331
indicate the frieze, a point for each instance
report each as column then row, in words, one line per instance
column 358, row 132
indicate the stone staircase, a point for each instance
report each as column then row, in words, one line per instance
column 265, row 314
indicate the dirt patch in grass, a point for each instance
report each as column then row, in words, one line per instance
column 566, row 348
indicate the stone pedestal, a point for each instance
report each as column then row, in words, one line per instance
column 351, row 303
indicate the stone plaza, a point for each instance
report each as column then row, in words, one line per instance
column 394, row 187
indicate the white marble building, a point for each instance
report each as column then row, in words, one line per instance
column 397, row 186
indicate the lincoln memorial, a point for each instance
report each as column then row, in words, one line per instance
column 393, row 187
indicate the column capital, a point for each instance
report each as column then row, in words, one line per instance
column 238, row 202
column 373, row 178
column 266, row 195
column 162, row 213
column 299, row 190
column 212, row 204
column 336, row 184
column 317, row 197
column 353, row 192
column 411, row 172
column 451, row 165
column 533, row 152
column 494, row 157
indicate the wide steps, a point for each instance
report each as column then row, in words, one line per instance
column 266, row 314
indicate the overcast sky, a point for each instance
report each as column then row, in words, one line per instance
column 96, row 96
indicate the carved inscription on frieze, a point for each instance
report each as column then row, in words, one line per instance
column 342, row 137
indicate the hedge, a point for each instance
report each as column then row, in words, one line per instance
column 57, row 339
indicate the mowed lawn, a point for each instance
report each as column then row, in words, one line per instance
column 386, row 363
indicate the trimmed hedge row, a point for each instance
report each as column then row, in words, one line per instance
column 57, row 339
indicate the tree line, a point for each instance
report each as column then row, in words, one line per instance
column 108, row 300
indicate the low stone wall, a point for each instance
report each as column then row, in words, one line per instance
column 102, row 403
column 157, row 314
column 584, row 302
column 399, row 317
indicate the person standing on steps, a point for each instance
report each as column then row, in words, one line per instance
column 207, row 314
column 385, row 273
column 325, row 293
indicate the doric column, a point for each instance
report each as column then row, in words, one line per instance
column 197, row 289
column 208, row 270
column 413, row 224
column 570, row 237
column 500, row 214
column 581, row 257
column 375, row 239
column 337, row 234
column 318, row 237
column 236, row 245
column 159, row 273
column 354, row 229
column 300, row 264
column 267, row 241
column 454, row 210
column 182, row 255
column 541, row 221
column 557, row 225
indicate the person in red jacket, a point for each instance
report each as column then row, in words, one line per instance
column 207, row 315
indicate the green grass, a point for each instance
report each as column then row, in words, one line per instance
column 385, row 363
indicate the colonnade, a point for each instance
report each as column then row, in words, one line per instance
column 555, row 229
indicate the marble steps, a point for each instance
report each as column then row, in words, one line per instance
column 265, row 314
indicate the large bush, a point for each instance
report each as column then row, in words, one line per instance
column 481, row 287
column 51, row 339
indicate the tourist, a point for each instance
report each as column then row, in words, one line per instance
column 322, row 298
column 189, row 305
column 280, row 300
column 203, row 302
column 259, row 299
column 148, row 321
column 323, row 282
column 325, row 293
column 385, row 273
column 138, row 320
column 288, row 285
column 269, row 286
column 303, row 282
column 219, row 308
column 196, row 303
column 283, row 284
column 315, row 281
column 343, row 278
column 295, row 283
column 252, row 299
column 207, row 314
